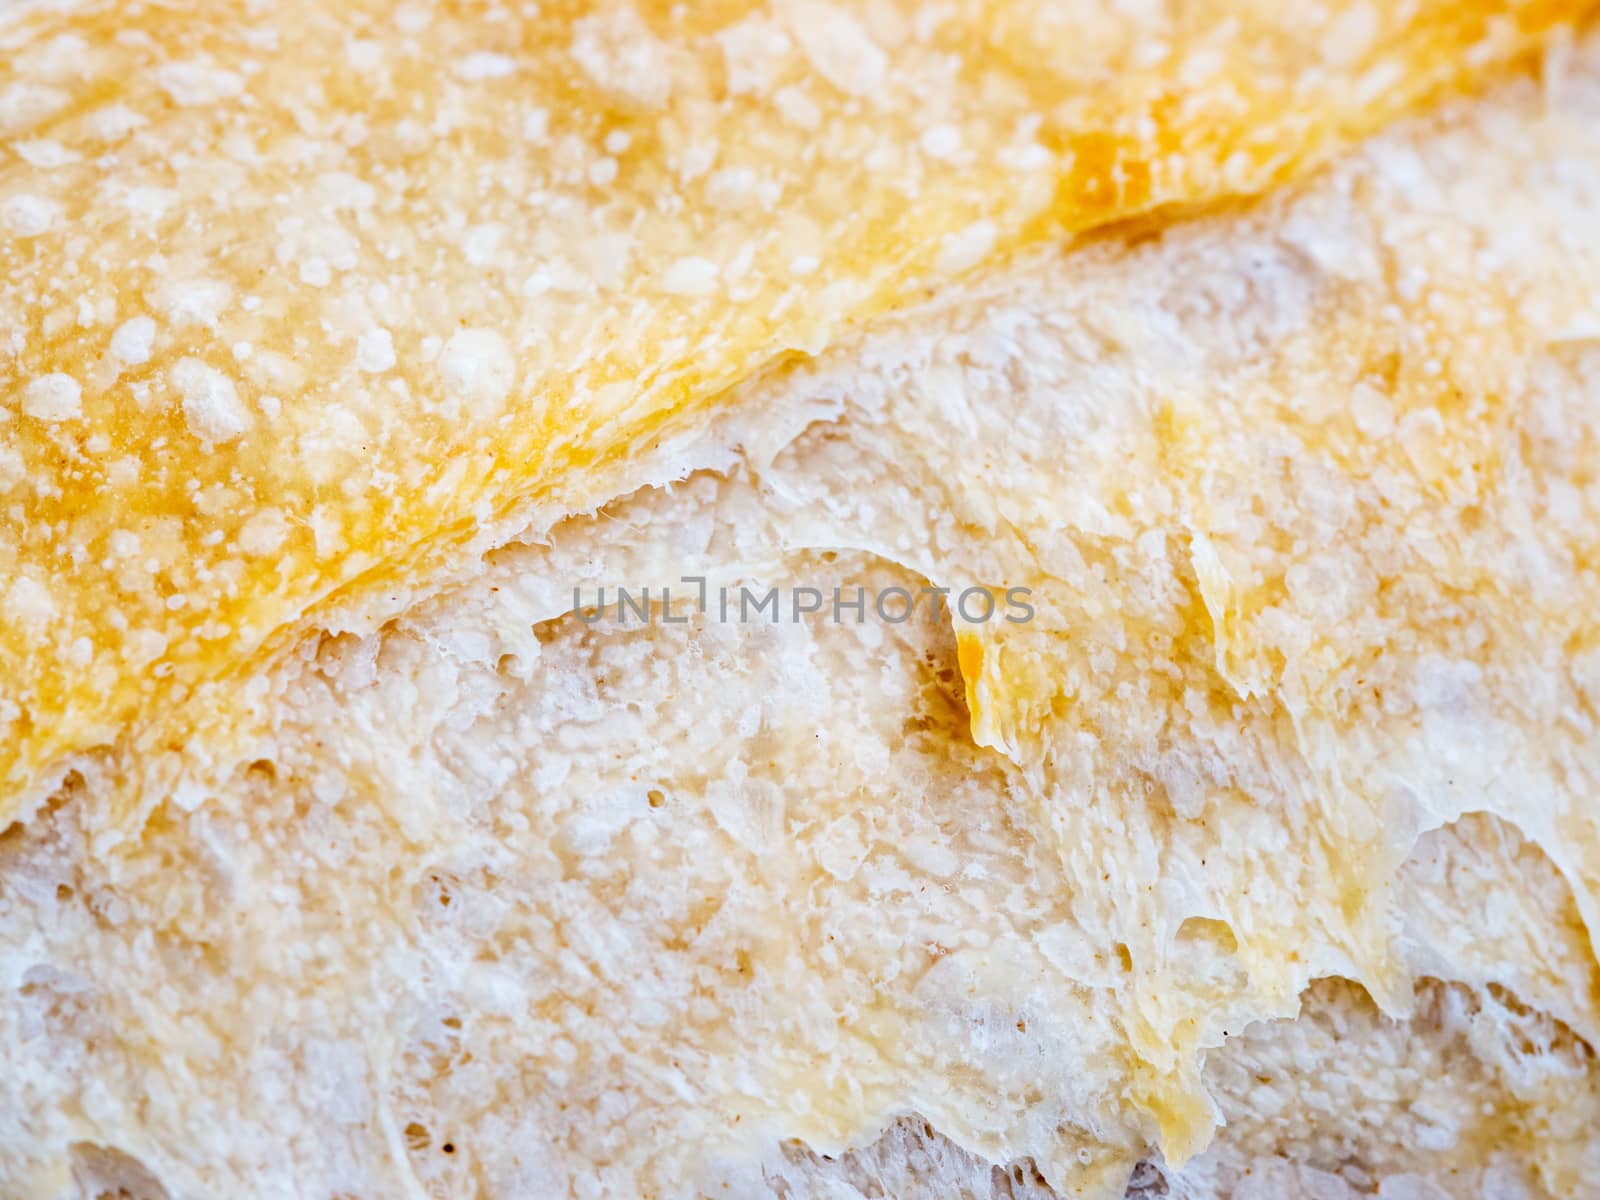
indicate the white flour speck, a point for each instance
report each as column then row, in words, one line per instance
column 211, row 406
column 133, row 340
column 54, row 397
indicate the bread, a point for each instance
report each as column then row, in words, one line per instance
column 1254, row 862
column 475, row 283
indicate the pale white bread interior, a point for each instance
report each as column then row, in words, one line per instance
column 510, row 904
